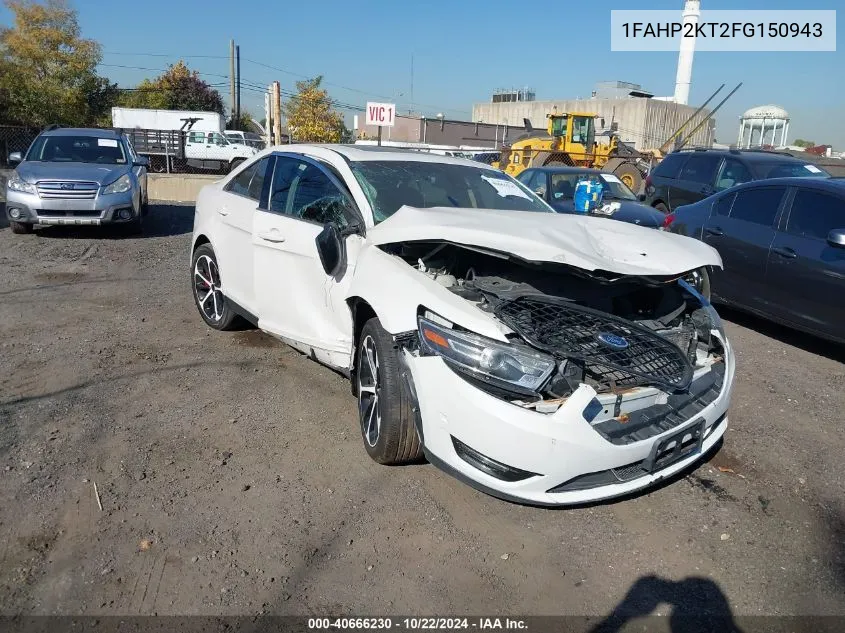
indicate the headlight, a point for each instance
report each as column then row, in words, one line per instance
column 486, row 359
column 16, row 184
column 121, row 185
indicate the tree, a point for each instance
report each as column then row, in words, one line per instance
column 177, row 88
column 800, row 142
column 48, row 71
column 244, row 123
column 311, row 117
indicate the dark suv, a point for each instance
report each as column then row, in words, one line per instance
column 688, row 176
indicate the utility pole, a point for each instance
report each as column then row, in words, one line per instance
column 277, row 112
column 238, row 85
column 268, row 130
column 232, row 76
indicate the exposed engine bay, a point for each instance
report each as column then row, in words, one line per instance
column 609, row 331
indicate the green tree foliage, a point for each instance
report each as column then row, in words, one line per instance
column 178, row 88
column 800, row 142
column 311, row 117
column 244, row 123
column 48, row 71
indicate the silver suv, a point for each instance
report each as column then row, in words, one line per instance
column 77, row 176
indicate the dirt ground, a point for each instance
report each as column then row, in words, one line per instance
column 233, row 480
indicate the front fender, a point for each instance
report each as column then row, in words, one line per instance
column 396, row 290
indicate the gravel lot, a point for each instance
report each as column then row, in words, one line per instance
column 233, row 480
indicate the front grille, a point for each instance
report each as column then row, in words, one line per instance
column 67, row 190
column 622, row 474
column 614, row 351
column 49, row 213
column 679, row 408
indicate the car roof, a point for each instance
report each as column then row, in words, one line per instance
column 364, row 153
column 749, row 155
column 830, row 184
column 83, row 131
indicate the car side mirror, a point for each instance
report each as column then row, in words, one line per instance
column 15, row 158
column 142, row 161
column 836, row 238
column 332, row 249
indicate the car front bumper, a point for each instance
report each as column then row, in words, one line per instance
column 562, row 457
column 102, row 209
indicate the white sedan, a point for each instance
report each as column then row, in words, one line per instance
column 543, row 358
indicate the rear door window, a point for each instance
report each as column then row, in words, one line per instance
column 240, row 183
column 815, row 214
column 700, row 168
column 670, row 166
column 722, row 205
column 732, row 173
column 759, row 206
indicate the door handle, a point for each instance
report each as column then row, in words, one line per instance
column 785, row 251
column 272, row 236
column 714, row 230
column 223, row 211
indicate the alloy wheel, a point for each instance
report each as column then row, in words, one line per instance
column 369, row 391
column 207, row 288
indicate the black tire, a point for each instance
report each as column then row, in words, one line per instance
column 236, row 162
column 212, row 306
column 662, row 208
column 134, row 227
column 391, row 436
column 21, row 228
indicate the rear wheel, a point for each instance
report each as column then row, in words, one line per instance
column 384, row 410
column 630, row 175
column 208, row 296
column 21, row 228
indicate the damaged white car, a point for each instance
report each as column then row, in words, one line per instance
column 543, row 358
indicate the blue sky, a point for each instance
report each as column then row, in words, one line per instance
column 462, row 50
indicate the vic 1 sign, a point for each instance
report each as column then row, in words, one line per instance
column 381, row 114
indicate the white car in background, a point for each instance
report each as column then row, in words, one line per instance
column 543, row 358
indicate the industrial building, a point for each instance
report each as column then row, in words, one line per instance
column 633, row 113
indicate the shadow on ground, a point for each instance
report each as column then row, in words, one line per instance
column 164, row 219
column 789, row 336
column 697, row 605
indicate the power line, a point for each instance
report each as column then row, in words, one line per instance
column 269, row 67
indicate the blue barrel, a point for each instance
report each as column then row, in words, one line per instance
column 588, row 195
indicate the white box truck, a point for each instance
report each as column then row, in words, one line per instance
column 174, row 139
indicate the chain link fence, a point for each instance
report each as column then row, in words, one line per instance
column 14, row 138
column 194, row 151
column 169, row 151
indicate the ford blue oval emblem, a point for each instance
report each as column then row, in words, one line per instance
column 612, row 341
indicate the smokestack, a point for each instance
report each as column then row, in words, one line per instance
column 692, row 11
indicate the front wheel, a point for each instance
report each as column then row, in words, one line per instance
column 208, row 296
column 21, row 228
column 384, row 410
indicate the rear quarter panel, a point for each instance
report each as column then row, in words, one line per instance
column 690, row 219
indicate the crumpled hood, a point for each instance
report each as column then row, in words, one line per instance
column 35, row 171
column 583, row 242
